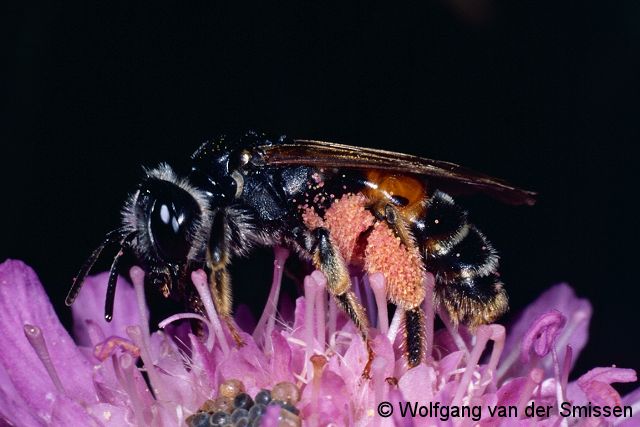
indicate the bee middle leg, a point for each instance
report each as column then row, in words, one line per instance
column 327, row 259
column 219, row 278
column 220, row 286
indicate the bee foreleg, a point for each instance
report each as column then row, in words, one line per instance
column 327, row 259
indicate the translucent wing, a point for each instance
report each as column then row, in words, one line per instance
column 446, row 176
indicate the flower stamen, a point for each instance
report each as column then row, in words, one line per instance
column 396, row 322
column 333, row 319
column 94, row 331
column 378, row 283
column 482, row 337
column 318, row 362
column 181, row 316
column 137, row 277
column 498, row 336
column 135, row 333
column 542, row 335
column 36, row 339
column 262, row 331
column 453, row 331
column 199, row 279
column 310, row 289
column 320, row 307
column 429, row 284
column 103, row 350
column 379, row 382
column 124, row 368
column 534, row 379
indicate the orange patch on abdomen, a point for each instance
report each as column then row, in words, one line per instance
column 387, row 188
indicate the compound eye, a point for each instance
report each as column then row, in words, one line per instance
column 172, row 219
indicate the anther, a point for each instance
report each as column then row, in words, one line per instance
column 105, row 349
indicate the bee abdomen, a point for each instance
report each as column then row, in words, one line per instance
column 443, row 225
column 473, row 301
column 471, row 257
column 453, row 249
column 463, row 262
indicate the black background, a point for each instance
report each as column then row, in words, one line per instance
column 543, row 94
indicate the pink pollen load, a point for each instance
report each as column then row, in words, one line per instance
column 347, row 219
column 401, row 266
column 311, row 218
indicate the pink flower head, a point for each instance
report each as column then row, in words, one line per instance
column 123, row 374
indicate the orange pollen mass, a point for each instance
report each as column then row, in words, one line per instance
column 311, row 218
column 401, row 266
column 347, row 219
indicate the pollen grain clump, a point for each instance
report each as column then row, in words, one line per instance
column 347, row 219
column 311, row 218
column 401, row 266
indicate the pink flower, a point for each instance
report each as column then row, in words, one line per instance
column 47, row 378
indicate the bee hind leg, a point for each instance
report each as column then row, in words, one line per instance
column 414, row 336
column 328, row 260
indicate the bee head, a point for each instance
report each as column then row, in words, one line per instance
column 169, row 217
column 166, row 223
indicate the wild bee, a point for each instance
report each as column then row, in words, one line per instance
column 257, row 190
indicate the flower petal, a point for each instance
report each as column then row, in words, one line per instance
column 448, row 364
column 417, row 384
column 509, row 394
column 249, row 364
column 281, row 369
column 67, row 412
column 23, row 301
column 14, row 410
column 331, row 404
column 109, row 415
column 608, row 375
column 89, row 306
column 591, row 386
column 632, row 399
column 204, row 364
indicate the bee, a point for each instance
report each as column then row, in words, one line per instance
column 256, row 190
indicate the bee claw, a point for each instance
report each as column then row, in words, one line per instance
column 234, row 332
column 239, row 341
column 366, row 373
